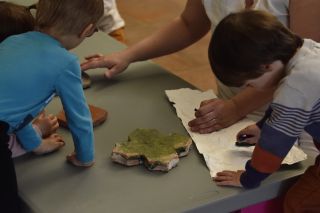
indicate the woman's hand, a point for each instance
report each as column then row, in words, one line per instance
column 213, row 115
column 115, row 63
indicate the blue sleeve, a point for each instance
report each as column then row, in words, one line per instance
column 28, row 137
column 69, row 88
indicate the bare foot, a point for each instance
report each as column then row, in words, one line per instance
column 49, row 144
column 47, row 124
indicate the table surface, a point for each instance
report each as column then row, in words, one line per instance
column 134, row 99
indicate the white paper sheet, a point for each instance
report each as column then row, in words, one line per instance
column 218, row 148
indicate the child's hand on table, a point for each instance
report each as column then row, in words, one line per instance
column 47, row 124
column 213, row 115
column 72, row 158
column 49, row 144
column 228, row 178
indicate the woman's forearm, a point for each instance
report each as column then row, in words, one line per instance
column 251, row 99
column 183, row 31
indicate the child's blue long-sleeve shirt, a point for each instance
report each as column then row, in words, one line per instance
column 33, row 67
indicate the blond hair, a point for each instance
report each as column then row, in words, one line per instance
column 68, row 16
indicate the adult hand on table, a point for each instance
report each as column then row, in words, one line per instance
column 213, row 115
column 115, row 63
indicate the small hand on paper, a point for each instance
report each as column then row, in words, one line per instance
column 228, row 178
column 213, row 115
column 252, row 130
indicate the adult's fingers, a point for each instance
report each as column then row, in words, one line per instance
column 205, row 102
column 91, row 64
column 202, row 120
column 93, row 56
column 204, row 109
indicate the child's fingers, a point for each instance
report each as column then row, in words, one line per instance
column 226, row 183
column 55, row 127
column 52, row 117
column 249, row 130
column 228, row 178
column 252, row 140
column 226, row 173
column 50, row 144
column 58, row 138
column 42, row 114
column 243, row 132
column 224, row 176
column 53, row 122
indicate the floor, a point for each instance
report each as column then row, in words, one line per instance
column 143, row 17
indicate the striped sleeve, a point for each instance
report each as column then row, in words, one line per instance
column 278, row 134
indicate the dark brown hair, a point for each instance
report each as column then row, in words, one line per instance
column 68, row 16
column 14, row 19
column 244, row 41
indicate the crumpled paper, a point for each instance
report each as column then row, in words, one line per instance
column 218, row 148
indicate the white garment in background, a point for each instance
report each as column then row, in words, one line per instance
column 111, row 19
column 218, row 9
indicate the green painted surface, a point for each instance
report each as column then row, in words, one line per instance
column 151, row 144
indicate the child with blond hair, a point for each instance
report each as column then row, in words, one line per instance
column 16, row 19
column 37, row 65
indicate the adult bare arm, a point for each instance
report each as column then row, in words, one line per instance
column 183, row 31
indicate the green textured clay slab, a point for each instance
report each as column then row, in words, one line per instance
column 149, row 147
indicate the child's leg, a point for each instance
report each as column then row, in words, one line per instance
column 9, row 199
column 49, row 144
column 304, row 195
